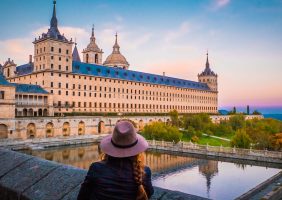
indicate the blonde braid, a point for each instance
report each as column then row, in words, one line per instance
column 138, row 172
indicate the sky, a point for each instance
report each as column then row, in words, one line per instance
column 243, row 38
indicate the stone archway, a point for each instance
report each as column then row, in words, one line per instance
column 45, row 112
column 24, row 112
column 160, row 120
column 3, row 131
column 101, row 127
column 40, row 112
column 81, row 128
column 66, row 129
column 30, row 112
column 49, row 129
column 31, row 131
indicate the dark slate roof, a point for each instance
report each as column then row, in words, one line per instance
column 53, row 32
column 23, row 88
column 24, row 69
column 3, row 80
column 75, row 54
column 123, row 74
column 207, row 71
column 27, row 88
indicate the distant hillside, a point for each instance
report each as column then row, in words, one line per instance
column 223, row 112
column 274, row 116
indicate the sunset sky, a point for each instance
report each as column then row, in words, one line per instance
column 243, row 37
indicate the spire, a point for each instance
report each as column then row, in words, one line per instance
column 54, row 21
column 92, row 38
column 116, row 46
column 207, row 63
column 75, row 54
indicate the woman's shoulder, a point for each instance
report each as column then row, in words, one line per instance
column 97, row 165
column 147, row 170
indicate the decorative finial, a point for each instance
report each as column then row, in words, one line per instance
column 92, row 30
column 207, row 63
column 54, row 2
column 75, row 41
column 116, row 37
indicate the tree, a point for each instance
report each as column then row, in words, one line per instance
column 174, row 117
column 241, row 139
column 161, row 131
column 248, row 109
column 256, row 112
column 234, row 110
column 237, row 122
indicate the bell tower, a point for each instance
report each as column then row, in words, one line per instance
column 52, row 50
column 92, row 54
column 208, row 76
column 9, row 69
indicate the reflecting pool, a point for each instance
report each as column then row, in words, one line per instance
column 202, row 177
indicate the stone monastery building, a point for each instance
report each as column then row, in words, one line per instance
column 57, row 81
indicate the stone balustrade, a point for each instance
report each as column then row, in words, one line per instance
column 219, row 151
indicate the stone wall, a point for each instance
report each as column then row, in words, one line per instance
column 24, row 177
column 44, row 127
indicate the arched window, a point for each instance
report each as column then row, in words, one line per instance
column 8, row 72
column 87, row 58
column 96, row 58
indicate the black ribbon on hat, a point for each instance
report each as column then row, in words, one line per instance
column 124, row 146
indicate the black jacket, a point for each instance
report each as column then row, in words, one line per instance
column 113, row 179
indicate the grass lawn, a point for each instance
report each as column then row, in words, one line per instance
column 213, row 141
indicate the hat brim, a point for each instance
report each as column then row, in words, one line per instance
column 108, row 148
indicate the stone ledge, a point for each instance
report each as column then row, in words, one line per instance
column 24, row 177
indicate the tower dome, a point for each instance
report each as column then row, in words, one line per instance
column 116, row 59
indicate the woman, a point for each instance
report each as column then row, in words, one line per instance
column 121, row 174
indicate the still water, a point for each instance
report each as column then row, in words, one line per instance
column 207, row 178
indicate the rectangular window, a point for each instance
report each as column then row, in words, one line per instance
column 2, row 94
column 73, row 86
column 67, row 85
column 51, row 84
column 52, row 49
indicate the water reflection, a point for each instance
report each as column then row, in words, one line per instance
column 207, row 178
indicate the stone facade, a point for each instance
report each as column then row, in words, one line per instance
column 76, row 88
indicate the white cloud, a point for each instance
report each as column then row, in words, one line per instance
column 221, row 3
column 175, row 34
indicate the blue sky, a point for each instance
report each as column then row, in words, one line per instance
column 244, row 38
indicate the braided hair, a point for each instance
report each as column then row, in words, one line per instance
column 138, row 174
